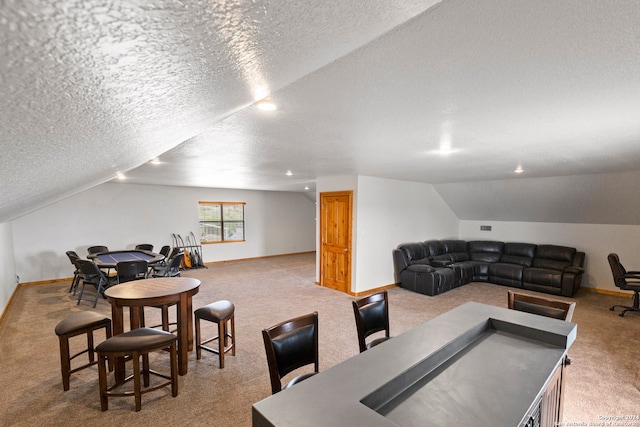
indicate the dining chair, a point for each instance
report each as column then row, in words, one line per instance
column 73, row 257
column 97, row 249
column 172, row 269
column 542, row 306
column 91, row 275
column 291, row 345
column 127, row 271
column 372, row 316
column 144, row 247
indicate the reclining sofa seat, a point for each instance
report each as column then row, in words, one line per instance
column 509, row 269
column 556, row 270
column 413, row 270
column 436, row 266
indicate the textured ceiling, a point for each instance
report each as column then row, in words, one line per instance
column 365, row 88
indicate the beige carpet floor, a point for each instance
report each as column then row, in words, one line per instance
column 603, row 381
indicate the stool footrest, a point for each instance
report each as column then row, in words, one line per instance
column 215, row 350
column 110, row 389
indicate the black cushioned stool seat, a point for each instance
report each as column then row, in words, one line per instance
column 133, row 344
column 220, row 312
column 84, row 322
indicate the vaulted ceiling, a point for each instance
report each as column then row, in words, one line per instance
column 456, row 93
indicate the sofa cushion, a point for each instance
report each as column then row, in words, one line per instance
column 541, row 277
column 455, row 246
column 553, row 257
column 518, row 253
column 434, row 247
column 506, row 271
column 486, row 251
column 415, row 252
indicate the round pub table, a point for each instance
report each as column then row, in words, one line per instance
column 149, row 293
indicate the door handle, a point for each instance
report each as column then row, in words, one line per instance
column 346, row 250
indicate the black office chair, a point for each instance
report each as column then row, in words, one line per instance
column 172, row 269
column 548, row 307
column 372, row 315
column 290, row 345
column 97, row 249
column 126, row 271
column 73, row 257
column 625, row 280
column 144, row 247
column 91, row 275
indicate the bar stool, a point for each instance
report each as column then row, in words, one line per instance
column 220, row 312
column 133, row 344
column 84, row 322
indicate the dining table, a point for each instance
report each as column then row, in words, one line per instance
column 155, row 292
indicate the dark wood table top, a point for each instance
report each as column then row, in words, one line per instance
column 139, row 290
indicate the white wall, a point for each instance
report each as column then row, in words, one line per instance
column 596, row 240
column 123, row 215
column 7, row 265
column 391, row 212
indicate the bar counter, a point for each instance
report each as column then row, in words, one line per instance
column 477, row 365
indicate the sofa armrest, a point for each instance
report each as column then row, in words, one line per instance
column 400, row 263
column 574, row 270
column 440, row 262
column 578, row 259
column 421, row 268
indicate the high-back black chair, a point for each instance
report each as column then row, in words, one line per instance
column 144, row 247
column 97, row 249
column 73, row 257
column 542, row 306
column 372, row 315
column 172, row 269
column 627, row 281
column 91, row 275
column 131, row 270
column 290, row 345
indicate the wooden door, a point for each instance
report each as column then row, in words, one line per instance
column 335, row 240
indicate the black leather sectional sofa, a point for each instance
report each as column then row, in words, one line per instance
column 436, row 266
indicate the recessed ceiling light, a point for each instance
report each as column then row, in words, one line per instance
column 306, row 188
column 519, row 169
column 266, row 105
column 120, row 176
column 445, row 151
column 289, row 173
column 155, row 161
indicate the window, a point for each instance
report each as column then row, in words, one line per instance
column 221, row 222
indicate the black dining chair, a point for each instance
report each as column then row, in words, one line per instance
column 144, row 247
column 172, row 269
column 97, row 249
column 127, row 271
column 291, row 345
column 91, row 275
column 372, row 315
column 73, row 257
